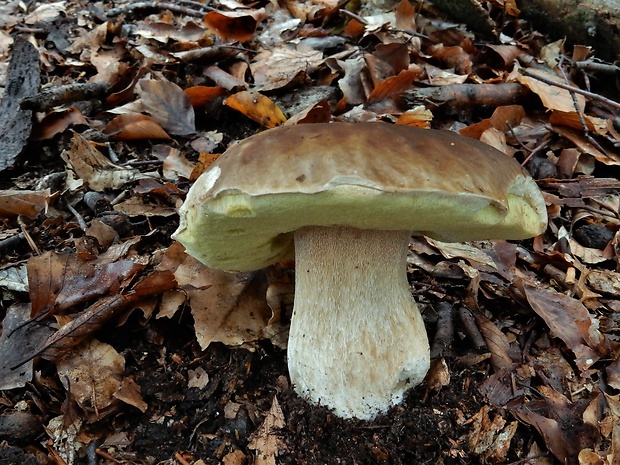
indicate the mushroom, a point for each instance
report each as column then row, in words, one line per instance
column 343, row 200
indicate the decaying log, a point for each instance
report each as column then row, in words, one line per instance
column 583, row 22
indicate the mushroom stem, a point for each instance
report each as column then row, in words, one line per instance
column 357, row 340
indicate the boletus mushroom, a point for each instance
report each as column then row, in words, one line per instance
column 343, row 200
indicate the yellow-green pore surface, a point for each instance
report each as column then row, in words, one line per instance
column 240, row 215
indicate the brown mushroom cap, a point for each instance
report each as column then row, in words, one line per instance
column 240, row 215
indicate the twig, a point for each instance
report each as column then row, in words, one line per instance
column 78, row 217
column 537, row 150
column 445, row 330
column 551, row 82
column 159, row 6
column 471, row 328
column 352, row 15
column 11, row 242
column 582, row 120
column 596, row 66
column 466, row 95
column 57, row 95
column 31, row 242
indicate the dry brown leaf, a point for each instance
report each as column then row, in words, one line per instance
column 568, row 319
column 405, row 16
column 63, row 431
column 92, row 374
column 418, row 117
column 497, row 343
column 553, row 97
column 199, row 96
column 559, row 421
column 60, row 281
column 136, row 206
column 257, row 107
column 264, row 441
column 438, row 375
column 135, row 126
column 233, row 25
column 550, row 431
column 23, row 202
column 229, row 308
column 320, row 112
column 76, row 331
column 393, row 85
column 352, row 84
column 277, row 68
column 489, row 438
column 129, row 393
column 574, row 120
column 504, row 118
column 169, row 105
column 94, row 168
column 236, row 457
column 57, row 122
column 506, row 53
column 613, row 374
column 582, row 143
column 205, row 160
column 453, row 56
column 104, row 234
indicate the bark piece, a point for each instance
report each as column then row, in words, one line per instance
column 23, row 81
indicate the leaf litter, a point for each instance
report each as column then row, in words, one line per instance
column 124, row 348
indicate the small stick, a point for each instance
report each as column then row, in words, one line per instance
column 78, row 217
column 31, row 242
column 445, row 330
column 57, row 95
column 471, row 328
column 11, row 242
column 595, row 66
column 160, row 6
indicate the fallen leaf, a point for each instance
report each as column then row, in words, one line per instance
column 569, row 320
column 92, row 374
column 257, row 107
column 199, row 96
column 234, row 25
column 227, row 307
column 129, row 393
column 23, row 202
column 417, row 116
column 497, row 343
column 264, row 441
column 63, row 432
column 77, row 330
column 135, row 126
column 168, row 105
column 57, row 122
column 553, row 97
column 94, row 168
column 277, row 68
column 489, row 438
column 60, row 281
column 393, row 85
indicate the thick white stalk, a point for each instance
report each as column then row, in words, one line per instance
column 357, row 340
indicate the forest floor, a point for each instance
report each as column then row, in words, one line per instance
column 118, row 348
